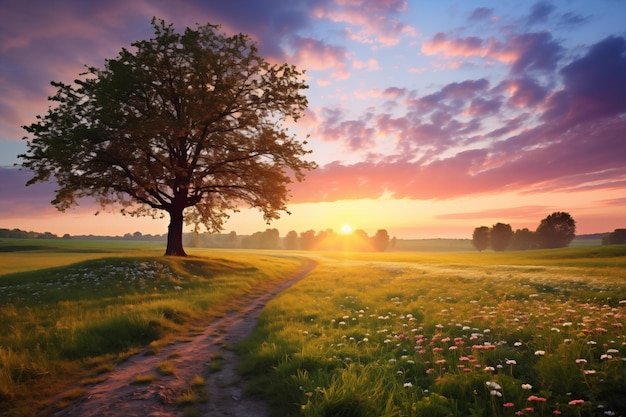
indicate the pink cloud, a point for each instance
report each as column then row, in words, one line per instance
column 525, row 52
column 523, row 212
column 316, row 55
column 369, row 21
column 523, row 92
column 370, row 65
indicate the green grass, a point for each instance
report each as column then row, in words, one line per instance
column 63, row 324
column 18, row 255
column 366, row 334
column 455, row 334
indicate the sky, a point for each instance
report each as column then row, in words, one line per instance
column 426, row 118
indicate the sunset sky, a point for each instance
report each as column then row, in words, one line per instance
column 426, row 118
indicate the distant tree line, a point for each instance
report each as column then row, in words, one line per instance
column 555, row 231
column 307, row 240
column 268, row 239
column 22, row 234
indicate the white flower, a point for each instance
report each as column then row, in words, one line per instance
column 407, row 385
column 540, row 352
column 527, row 387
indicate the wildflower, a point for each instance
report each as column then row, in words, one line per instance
column 576, row 402
column 493, row 385
column 556, row 412
column 529, row 410
column 508, row 405
column 540, row 352
column 511, row 362
column 581, row 360
column 527, row 387
column 589, row 372
column 517, row 344
column 408, row 385
column 489, row 369
column 495, row 393
column 537, row 399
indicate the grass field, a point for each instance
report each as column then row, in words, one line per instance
column 465, row 334
column 103, row 301
column 366, row 334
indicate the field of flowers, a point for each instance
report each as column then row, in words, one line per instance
column 482, row 335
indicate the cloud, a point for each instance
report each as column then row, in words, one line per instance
column 481, row 14
column 369, row 22
column 596, row 82
column 566, row 140
column 524, row 52
column 24, row 201
column 316, row 55
column 540, row 13
column 524, row 92
column 523, row 212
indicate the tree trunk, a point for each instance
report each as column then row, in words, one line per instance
column 175, row 234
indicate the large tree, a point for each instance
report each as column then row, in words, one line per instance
column 557, row 230
column 190, row 124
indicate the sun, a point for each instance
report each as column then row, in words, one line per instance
column 346, row 229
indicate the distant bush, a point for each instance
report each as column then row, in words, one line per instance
column 617, row 237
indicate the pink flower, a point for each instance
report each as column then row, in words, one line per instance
column 556, row 412
column 508, row 405
column 538, row 399
column 576, row 402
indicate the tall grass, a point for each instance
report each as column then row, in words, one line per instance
column 63, row 324
column 533, row 333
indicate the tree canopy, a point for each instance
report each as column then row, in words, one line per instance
column 500, row 236
column 557, row 230
column 480, row 238
column 190, row 124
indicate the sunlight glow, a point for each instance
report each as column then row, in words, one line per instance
column 346, row 229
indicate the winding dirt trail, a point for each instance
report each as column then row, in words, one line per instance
column 118, row 397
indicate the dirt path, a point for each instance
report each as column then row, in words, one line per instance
column 118, row 397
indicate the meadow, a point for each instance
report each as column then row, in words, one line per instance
column 70, row 311
column 365, row 334
column 466, row 334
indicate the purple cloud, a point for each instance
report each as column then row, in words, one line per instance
column 596, row 82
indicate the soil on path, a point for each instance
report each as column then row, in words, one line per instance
column 119, row 397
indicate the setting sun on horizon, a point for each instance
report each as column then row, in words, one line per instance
column 346, row 229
